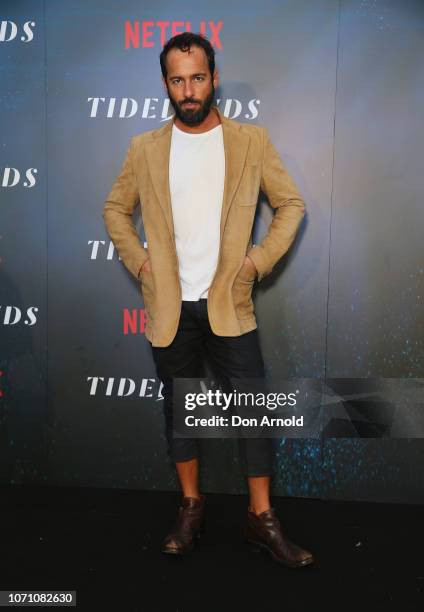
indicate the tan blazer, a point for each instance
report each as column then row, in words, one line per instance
column 251, row 163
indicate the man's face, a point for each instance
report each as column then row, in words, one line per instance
column 189, row 84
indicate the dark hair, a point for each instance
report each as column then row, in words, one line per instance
column 183, row 42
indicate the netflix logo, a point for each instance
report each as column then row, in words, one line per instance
column 134, row 321
column 156, row 33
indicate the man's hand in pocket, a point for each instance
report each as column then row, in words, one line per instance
column 251, row 266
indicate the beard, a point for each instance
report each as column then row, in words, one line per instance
column 193, row 116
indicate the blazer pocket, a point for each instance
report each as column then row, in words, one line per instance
column 245, row 274
column 242, row 298
column 148, row 292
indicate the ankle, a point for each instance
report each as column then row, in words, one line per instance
column 195, row 495
column 258, row 509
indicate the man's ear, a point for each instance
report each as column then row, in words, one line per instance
column 164, row 85
column 215, row 79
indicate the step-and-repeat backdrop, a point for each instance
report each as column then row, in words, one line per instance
column 339, row 85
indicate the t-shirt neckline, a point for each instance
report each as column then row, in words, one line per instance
column 189, row 134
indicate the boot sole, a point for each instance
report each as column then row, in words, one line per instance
column 258, row 547
column 178, row 553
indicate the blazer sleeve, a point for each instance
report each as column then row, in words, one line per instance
column 289, row 206
column 117, row 214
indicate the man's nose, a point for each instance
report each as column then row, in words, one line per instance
column 188, row 89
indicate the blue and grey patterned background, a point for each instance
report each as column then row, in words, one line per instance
column 340, row 86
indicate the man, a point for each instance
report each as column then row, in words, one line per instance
column 198, row 179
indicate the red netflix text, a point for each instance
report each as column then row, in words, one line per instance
column 152, row 33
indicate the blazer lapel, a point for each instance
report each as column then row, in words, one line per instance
column 236, row 144
column 157, row 154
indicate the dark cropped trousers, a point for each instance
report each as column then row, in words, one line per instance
column 235, row 357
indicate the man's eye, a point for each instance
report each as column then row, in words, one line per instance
column 176, row 81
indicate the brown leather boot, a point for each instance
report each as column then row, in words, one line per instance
column 263, row 532
column 180, row 540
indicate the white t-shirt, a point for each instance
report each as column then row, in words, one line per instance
column 196, row 181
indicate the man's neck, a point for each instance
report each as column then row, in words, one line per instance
column 210, row 122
